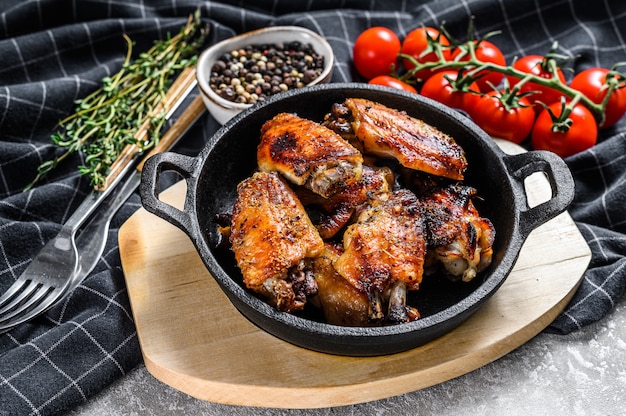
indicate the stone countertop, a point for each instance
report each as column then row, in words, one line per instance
column 583, row 373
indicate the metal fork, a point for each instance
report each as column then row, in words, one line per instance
column 91, row 237
column 47, row 275
column 51, row 272
column 40, row 289
column 57, row 268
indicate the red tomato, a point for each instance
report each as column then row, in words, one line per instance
column 532, row 64
column 389, row 81
column 486, row 52
column 512, row 124
column 374, row 51
column 591, row 83
column 439, row 89
column 582, row 134
column 416, row 45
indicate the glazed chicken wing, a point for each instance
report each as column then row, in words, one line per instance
column 308, row 154
column 274, row 241
column 384, row 250
column 458, row 237
column 391, row 133
column 336, row 211
column 341, row 303
column 329, row 220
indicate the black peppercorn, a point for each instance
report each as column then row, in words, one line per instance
column 250, row 74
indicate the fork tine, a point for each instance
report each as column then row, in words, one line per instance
column 15, row 288
column 22, row 300
column 52, row 295
column 18, row 294
column 36, row 296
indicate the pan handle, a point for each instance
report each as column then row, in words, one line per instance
column 559, row 176
column 152, row 169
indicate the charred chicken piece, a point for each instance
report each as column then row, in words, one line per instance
column 384, row 253
column 336, row 211
column 458, row 237
column 391, row 133
column 341, row 303
column 421, row 183
column 308, row 154
column 274, row 241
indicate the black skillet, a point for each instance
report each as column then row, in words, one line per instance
column 230, row 156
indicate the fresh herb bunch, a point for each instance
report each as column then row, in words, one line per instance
column 111, row 117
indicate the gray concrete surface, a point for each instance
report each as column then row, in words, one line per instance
column 583, row 373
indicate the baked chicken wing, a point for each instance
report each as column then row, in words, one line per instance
column 308, row 154
column 458, row 237
column 384, row 253
column 323, row 223
column 341, row 302
column 335, row 212
column 391, row 133
column 274, row 241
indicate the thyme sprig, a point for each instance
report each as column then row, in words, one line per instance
column 126, row 109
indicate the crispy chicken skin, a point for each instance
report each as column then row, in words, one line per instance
column 386, row 245
column 341, row 303
column 335, row 212
column 329, row 220
column 458, row 237
column 273, row 240
column 391, row 133
column 308, row 154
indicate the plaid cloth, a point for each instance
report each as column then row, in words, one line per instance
column 54, row 52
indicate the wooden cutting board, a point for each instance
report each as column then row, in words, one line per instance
column 194, row 340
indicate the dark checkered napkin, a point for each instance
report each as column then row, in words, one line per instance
column 53, row 52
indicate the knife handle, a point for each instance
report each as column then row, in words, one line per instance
column 175, row 94
column 178, row 129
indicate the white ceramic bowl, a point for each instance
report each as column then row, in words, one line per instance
column 222, row 109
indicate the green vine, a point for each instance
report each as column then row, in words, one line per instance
column 468, row 63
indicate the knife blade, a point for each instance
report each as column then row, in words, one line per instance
column 89, row 247
column 61, row 253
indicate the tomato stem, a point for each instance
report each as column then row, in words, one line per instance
column 467, row 59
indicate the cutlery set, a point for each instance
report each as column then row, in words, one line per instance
column 66, row 260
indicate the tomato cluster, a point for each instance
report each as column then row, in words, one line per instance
column 529, row 99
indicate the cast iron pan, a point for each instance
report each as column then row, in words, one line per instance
column 230, row 156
